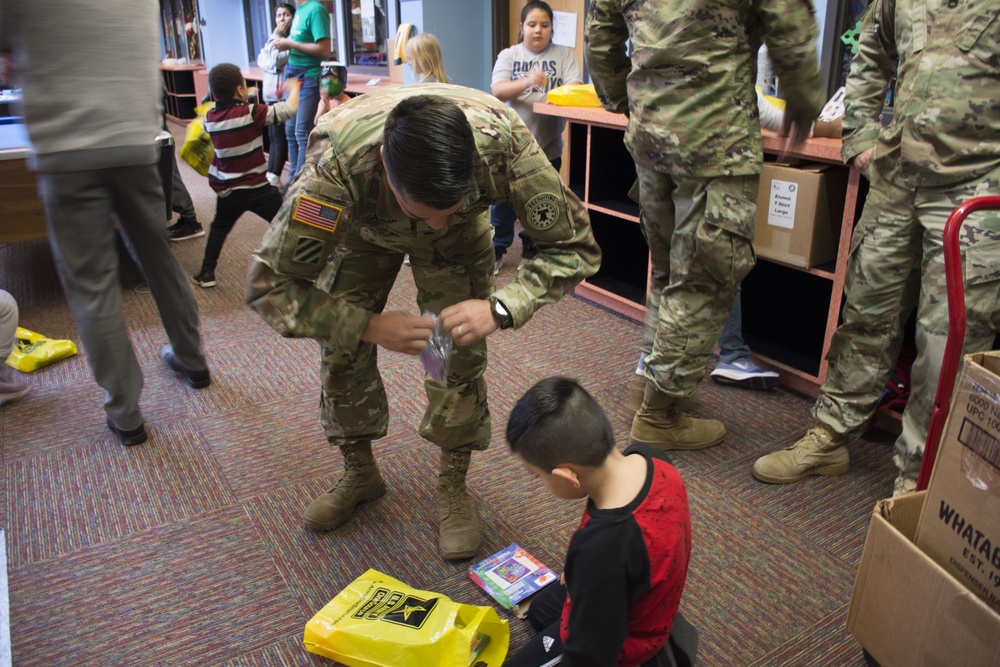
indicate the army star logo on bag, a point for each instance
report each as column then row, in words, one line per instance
column 317, row 214
column 396, row 607
column 411, row 612
column 543, row 209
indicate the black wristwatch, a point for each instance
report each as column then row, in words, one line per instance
column 501, row 313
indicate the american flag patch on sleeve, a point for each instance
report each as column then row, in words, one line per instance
column 317, row 214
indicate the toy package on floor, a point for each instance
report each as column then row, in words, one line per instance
column 511, row 576
column 33, row 350
column 378, row 621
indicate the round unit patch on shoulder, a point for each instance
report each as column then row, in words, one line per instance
column 543, row 211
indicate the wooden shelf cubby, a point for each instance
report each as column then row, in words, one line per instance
column 186, row 86
column 789, row 313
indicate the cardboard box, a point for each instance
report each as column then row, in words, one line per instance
column 960, row 528
column 906, row 609
column 799, row 213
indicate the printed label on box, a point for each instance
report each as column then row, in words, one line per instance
column 781, row 207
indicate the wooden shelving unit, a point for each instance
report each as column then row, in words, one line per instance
column 186, row 86
column 789, row 313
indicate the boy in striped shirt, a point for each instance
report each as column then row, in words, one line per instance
column 239, row 169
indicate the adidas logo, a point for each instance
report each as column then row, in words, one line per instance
column 547, row 642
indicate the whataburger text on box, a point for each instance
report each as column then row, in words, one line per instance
column 781, row 207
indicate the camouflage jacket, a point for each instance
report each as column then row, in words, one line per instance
column 342, row 189
column 689, row 88
column 945, row 126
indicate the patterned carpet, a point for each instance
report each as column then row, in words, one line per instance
column 190, row 550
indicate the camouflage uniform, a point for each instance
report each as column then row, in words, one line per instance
column 695, row 137
column 941, row 148
column 329, row 259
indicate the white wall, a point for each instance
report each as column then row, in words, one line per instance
column 224, row 35
column 465, row 30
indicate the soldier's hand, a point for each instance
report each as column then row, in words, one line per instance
column 399, row 332
column 862, row 159
column 798, row 120
column 469, row 321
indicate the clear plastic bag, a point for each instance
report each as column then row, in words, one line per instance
column 436, row 357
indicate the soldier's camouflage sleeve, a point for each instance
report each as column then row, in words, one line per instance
column 558, row 224
column 281, row 282
column 871, row 70
column 604, row 38
column 790, row 32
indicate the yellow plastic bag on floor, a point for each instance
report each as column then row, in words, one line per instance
column 378, row 621
column 574, row 95
column 197, row 149
column 33, row 350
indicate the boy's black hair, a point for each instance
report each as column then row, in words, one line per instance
column 557, row 422
column 429, row 151
column 224, row 79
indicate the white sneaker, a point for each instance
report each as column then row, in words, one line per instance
column 274, row 180
column 745, row 373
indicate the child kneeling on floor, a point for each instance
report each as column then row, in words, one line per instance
column 239, row 169
column 617, row 600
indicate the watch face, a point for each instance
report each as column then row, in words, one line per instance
column 501, row 311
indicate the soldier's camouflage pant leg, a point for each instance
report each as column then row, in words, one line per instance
column 880, row 290
column 353, row 402
column 457, row 416
column 699, row 232
column 920, row 216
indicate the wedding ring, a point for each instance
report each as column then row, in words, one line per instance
column 459, row 330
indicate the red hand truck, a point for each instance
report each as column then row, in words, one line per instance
column 954, row 276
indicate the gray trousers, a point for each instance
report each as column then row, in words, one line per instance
column 79, row 207
column 8, row 324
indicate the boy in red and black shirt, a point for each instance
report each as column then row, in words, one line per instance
column 627, row 562
column 239, row 169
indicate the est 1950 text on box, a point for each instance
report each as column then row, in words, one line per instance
column 960, row 526
column 907, row 611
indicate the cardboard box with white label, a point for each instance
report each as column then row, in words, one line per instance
column 799, row 213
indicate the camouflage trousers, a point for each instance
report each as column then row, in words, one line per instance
column 897, row 262
column 353, row 403
column 699, row 232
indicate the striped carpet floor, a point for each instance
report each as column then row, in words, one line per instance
column 190, row 549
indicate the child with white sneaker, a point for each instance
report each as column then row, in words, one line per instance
column 272, row 61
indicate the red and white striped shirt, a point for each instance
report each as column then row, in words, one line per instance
column 236, row 131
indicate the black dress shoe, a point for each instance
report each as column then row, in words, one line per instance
column 195, row 379
column 136, row 436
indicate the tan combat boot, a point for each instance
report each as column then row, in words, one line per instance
column 360, row 483
column 635, row 392
column 660, row 423
column 819, row 452
column 460, row 534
